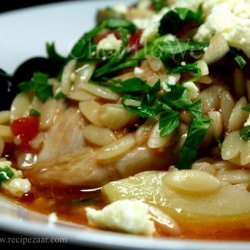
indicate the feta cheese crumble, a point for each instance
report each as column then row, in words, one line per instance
column 120, row 8
column 231, row 18
column 151, row 30
column 169, row 80
column 16, row 186
column 138, row 71
column 150, row 33
column 192, row 89
column 123, row 215
column 109, row 43
column 141, row 23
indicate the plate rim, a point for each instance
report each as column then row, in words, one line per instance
column 96, row 238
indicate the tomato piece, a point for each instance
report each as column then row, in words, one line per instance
column 134, row 42
column 26, row 129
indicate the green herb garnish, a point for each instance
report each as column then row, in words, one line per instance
column 174, row 20
column 131, row 85
column 158, row 5
column 172, row 53
column 240, row 61
column 40, row 85
column 177, row 97
column 144, row 111
column 53, row 54
column 169, row 122
column 85, row 48
column 246, row 108
column 245, row 133
column 59, row 96
column 152, row 103
column 238, row 58
column 5, row 174
column 34, row 112
column 196, row 133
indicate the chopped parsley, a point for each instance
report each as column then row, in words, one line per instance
column 240, row 61
column 172, row 53
column 54, row 56
column 5, row 174
column 158, row 5
column 174, row 20
column 246, row 108
column 40, row 85
column 85, row 48
column 245, row 133
column 152, row 103
column 196, row 133
column 169, row 122
column 34, row 112
column 59, row 96
column 238, row 58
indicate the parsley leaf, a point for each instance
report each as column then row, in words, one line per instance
column 144, row 111
column 117, row 59
column 34, row 112
column 169, row 122
column 238, row 58
column 174, row 20
column 196, row 108
column 53, row 55
column 240, row 61
column 246, row 108
column 196, row 133
column 245, row 133
column 177, row 98
column 5, row 174
column 85, row 46
column 173, row 53
column 152, row 103
column 132, row 85
column 115, row 23
column 192, row 67
column 59, row 95
column 171, row 48
column 40, row 85
column 152, row 93
column 158, row 5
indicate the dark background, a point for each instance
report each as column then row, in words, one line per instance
column 8, row 5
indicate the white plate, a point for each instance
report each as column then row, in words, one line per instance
column 23, row 34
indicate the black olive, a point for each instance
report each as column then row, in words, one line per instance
column 8, row 91
column 37, row 64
